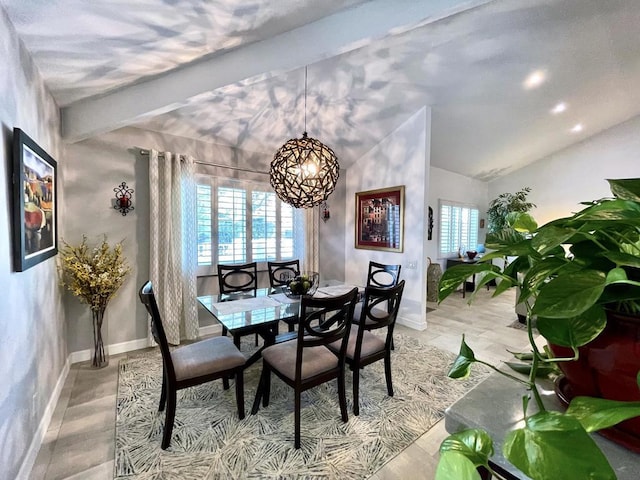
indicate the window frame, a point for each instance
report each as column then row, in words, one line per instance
column 450, row 203
column 297, row 226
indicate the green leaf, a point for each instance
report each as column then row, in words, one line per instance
column 461, row 367
column 456, row 465
column 623, row 259
column 597, row 413
column 454, row 276
column 616, row 275
column 554, row 446
column 624, row 211
column 505, row 284
column 569, row 295
column 575, row 331
column 475, row 444
column 543, row 371
column 550, row 237
column 626, row 188
column 523, row 222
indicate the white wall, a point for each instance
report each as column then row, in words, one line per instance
column 402, row 158
column 445, row 185
column 93, row 168
column 562, row 180
column 32, row 329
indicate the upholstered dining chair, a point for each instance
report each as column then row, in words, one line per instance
column 306, row 362
column 365, row 347
column 236, row 282
column 279, row 274
column 192, row 364
column 382, row 275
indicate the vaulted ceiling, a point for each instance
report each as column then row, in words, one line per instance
column 233, row 72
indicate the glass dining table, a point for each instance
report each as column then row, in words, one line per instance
column 261, row 313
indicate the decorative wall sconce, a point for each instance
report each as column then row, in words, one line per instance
column 123, row 198
column 324, row 211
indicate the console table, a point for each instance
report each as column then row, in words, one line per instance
column 469, row 285
column 495, row 405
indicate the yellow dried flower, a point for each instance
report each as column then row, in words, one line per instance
column 93, row 275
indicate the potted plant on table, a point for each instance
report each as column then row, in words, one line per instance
column 580, row 277
column 94, row 275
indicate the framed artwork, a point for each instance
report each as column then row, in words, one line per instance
column 380, row 219
column 34, row 203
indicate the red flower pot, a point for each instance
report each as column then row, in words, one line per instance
column 607, row 368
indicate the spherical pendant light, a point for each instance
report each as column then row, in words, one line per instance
column 304, row 172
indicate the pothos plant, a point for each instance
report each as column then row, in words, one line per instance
column 570, row 272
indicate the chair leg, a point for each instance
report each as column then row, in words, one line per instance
column 393, row 347
column 224, row 331
column 387, row 373
column 225, row 382
column 240, row 393
column 267, row 387
column 356, row 391
column 291, row 327
column 256, row 339
column 163, row 393
column 168, row 419
column 261, row 391
column 297, row 419
column 342, row 396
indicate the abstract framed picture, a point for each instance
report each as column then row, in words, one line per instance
column 34, row 203
column 380, row 219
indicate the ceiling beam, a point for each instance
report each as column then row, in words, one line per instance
column 332, row 35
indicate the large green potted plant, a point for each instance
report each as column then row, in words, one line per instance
column 505, row 204
column 576, row 276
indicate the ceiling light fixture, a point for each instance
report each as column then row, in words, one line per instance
column 559, row 108
column 535, row 79
column 304, row 171
column 577, row 128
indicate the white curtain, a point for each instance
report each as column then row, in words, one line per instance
column 311, row 259
column 173, row 252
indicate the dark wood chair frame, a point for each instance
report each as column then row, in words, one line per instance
column 170, row 385
column 275, row 269
column 372, row 318
column 380, row 270
column 322, row 322
column 231, row 291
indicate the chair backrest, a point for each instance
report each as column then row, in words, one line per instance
column 238, row 278
column 380, row 309
column 281, row 272
column 324, row 321
column 383, row 276
column 148, row 299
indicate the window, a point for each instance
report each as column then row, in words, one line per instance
column 458, row 228
column 240, row 222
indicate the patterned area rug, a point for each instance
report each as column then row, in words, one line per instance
column 209, row 442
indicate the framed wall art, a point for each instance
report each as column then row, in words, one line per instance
column 34, row 203
column 380, row 219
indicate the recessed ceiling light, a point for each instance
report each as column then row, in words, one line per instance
column 577, row 128
column 535, row 79
column 559, row 108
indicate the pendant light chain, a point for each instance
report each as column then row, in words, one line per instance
column 305, row 99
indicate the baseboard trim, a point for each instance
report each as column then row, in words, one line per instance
column 36, row 442
column 113, row 349
column 215, row 329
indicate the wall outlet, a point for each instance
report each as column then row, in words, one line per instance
column 413, row 265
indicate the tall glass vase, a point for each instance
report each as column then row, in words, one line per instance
column 100, row 354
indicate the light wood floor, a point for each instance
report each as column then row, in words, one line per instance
column 80, row 441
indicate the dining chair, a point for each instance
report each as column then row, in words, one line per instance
column 365, row 347
column 382, row 275
column 236, row 282
column 192, row 364
column 306, row 362
column 279, row 274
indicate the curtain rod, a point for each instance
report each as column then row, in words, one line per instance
column 161, row 154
